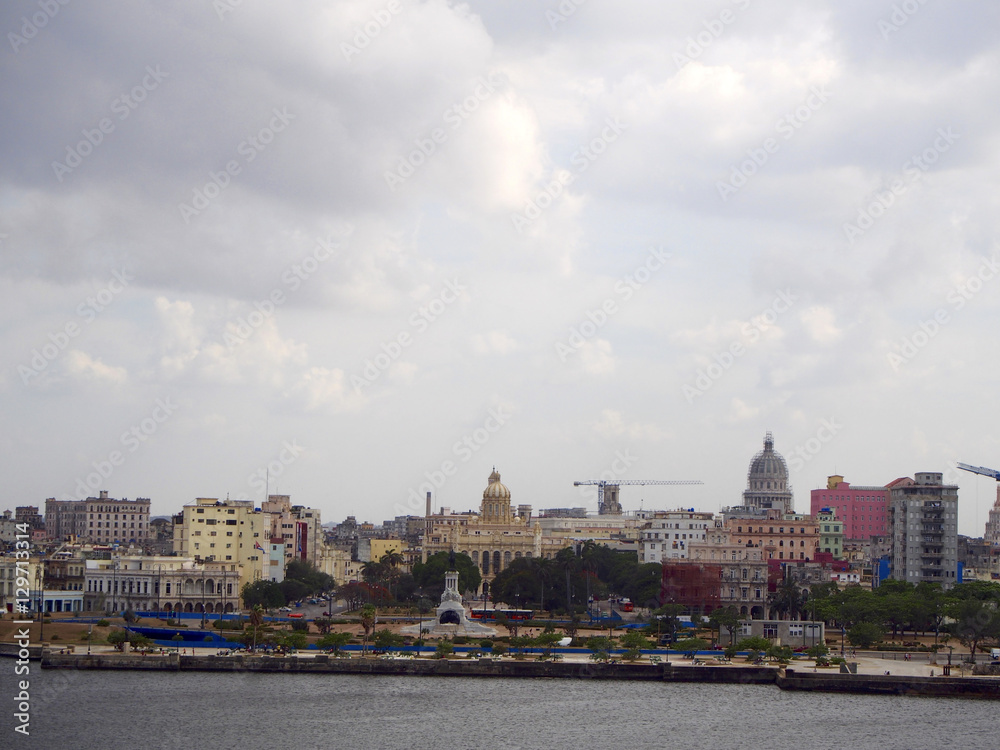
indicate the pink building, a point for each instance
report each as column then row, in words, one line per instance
column 863, row 510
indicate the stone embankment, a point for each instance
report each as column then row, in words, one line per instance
column 785, row 678
column 484, row 667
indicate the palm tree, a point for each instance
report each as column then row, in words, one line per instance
column 543, row 569
column 368, row 619
column 390, row 563
column 256, row 619
column 787, row 600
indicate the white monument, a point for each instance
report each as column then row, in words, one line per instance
column 450, row 619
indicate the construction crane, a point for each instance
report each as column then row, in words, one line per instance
column 607, row 491
column 980, row 470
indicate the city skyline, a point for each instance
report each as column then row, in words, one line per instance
column 342, row 250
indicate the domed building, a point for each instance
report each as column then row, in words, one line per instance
column 767, row 481
column 493, row 538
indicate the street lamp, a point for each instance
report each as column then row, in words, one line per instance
column 40, row 581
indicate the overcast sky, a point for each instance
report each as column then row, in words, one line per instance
column 380, row 245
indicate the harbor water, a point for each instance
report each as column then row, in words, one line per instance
column 106, row 710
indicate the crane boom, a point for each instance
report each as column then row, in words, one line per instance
column 980, row 470
column 607, row 491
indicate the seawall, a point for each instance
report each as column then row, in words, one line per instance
column 957, row 687
column 785, row 679
column 421, row 667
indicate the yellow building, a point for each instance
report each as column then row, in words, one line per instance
column 337, row 564
column 382, row 547
column 229, row 531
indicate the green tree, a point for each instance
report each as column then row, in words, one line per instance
column 368, row 618
column 385, row 639
column 753, row 643
column 335, row 642
column 444, row 649
column 782, row 654
column 519, row 643
column 692, row 645
column 666, row 618
column 293, row 590
column 786, row 601
column 267, row 594
column 633, row 642
column 725, row 617
column 117, row 638
column 975, row 621
column 600, row 647
column 547, row 641
column 314, row 582
column 817, row 650
column 499, row 648
column 256, row 620
column 865, row 634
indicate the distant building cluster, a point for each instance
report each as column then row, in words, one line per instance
column 108, row 554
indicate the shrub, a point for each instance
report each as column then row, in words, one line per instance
column 55, row 637
column 817, row 651
column 300, row 626
column 753, row 643
column 498, row 649
column 780, row 653
column 486, row 644
column 692, row 644
column 632, row 654
column 103, row 623
column 444, row 649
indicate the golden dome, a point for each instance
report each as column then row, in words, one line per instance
column 496, row 490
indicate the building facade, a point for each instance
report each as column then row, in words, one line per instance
column 667, row 535
column 992, row 535
column 863, row 509
column 831, row 533
column 787, row 536
column 162, row 584
column 229, row 531
column 98, row 520
column 923, row 522
column 299, row 527
column 494, row 538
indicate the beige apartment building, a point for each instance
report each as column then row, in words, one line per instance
column 229, row 531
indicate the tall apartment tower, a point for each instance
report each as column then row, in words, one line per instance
column 923, row 529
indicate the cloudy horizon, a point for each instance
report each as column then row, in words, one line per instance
column 351, row 251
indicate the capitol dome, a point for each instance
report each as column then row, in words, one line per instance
column 496, row 490
column 767, row 480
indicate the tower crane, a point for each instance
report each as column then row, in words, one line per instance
column 607, row 491
column 980, row 470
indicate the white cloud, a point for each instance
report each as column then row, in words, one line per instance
column 81, row 365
